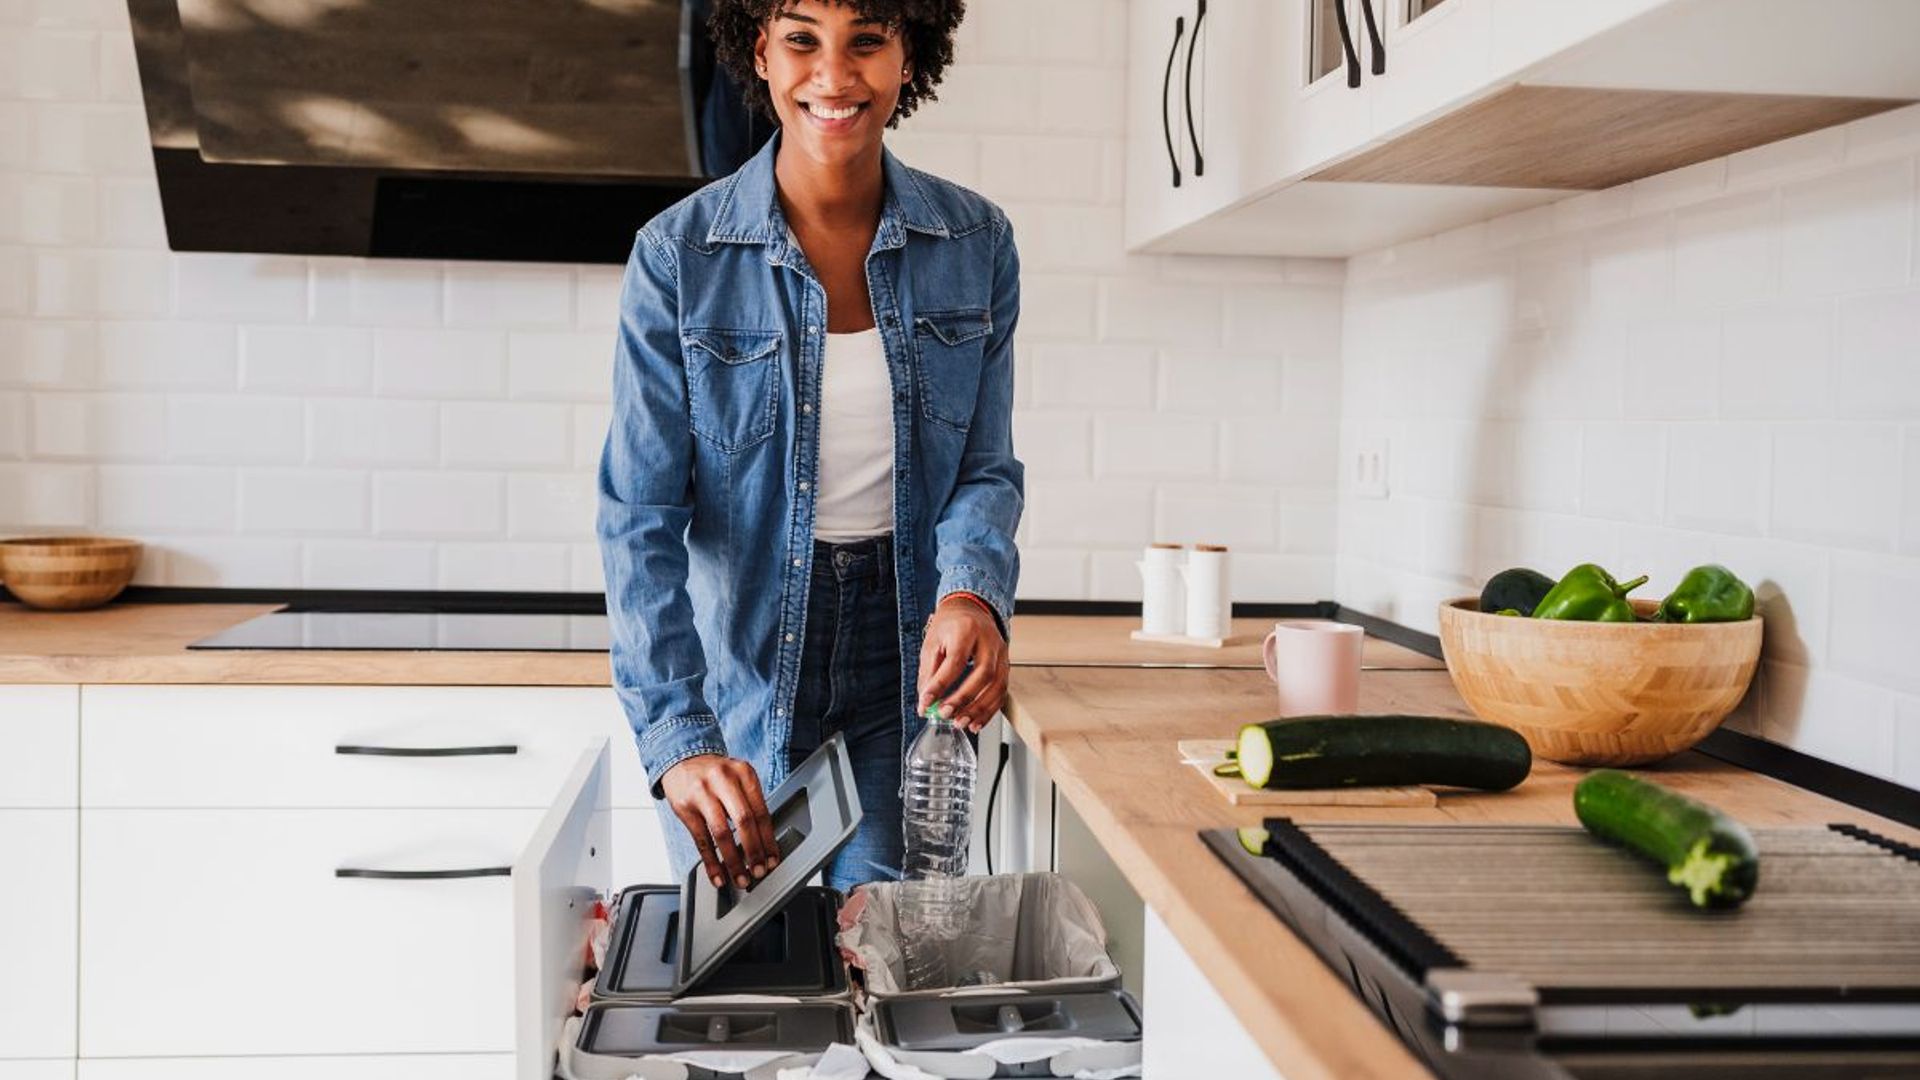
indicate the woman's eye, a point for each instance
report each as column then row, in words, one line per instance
column 802, row 41
column 869, row 41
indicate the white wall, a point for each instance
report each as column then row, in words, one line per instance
column 346, row 423
column 1718, row 364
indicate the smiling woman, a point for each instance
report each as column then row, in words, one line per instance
column 809, row 493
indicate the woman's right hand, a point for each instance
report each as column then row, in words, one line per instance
column 718, row 798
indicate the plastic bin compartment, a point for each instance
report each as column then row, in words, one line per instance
column 702, row 1040
column 1049, row 1004
column 791, row 954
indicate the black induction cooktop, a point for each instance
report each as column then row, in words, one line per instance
column 403, row 631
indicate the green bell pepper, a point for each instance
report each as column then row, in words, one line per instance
column 1589, row 594
column 1708, row 594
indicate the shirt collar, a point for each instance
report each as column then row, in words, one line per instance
column 750, row 213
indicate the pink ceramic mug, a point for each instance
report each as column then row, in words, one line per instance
column 1317, row 665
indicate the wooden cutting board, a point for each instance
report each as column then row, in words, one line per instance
column 1204, row 754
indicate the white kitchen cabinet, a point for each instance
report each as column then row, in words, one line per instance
column 227, row 932
column 39, row 851
column 1188, row 1029
column 1467, row 109
column 344, row 746
column 369, row 1067
column 39, row 746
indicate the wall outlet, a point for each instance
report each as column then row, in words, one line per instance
column 1370, row 469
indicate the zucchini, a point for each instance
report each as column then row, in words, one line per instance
column 1382, row 751
column 1704, row 851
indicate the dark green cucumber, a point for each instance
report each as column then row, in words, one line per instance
column 1382, row 751
column 1704, row 851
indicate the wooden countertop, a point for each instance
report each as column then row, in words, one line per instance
column 1107, row 738
column 147, row 643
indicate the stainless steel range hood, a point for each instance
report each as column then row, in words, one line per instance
column 541, row 130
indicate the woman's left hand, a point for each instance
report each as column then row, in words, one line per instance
column 961, row 630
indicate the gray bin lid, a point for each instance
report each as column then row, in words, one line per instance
column 617, row 1028
column 964, row 1021
column 815, row 813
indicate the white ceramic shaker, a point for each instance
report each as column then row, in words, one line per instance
column 1162, row 610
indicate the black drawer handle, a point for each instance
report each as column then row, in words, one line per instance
column 1373, row 39
column 421, row 875
column 1199, row 15
column 426, row 751
column 1346, row 42
column 1166, row 90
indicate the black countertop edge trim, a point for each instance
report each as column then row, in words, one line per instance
column 1856, row 789
column 1404, row 636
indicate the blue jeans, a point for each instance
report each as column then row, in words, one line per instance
column 849, row 683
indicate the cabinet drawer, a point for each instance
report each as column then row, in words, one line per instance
column 227, row 932
column 40, row 852
column 39, row 746
column 414, row 1067
column 282, row 746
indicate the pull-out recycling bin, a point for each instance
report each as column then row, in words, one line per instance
column 718, row 983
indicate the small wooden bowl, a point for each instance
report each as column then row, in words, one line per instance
column 67, row 573
column 1589, row 693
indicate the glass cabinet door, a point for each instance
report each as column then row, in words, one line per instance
column 1325, row 52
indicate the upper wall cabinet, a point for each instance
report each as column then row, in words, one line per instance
column 1330, row 127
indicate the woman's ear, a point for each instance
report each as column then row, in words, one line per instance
column 760, row 53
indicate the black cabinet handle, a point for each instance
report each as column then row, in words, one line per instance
column 1373, row 39
column 1193, row 43
column 426, row 751
column 1166, row 87
column 1346, row 42
column 422, row 875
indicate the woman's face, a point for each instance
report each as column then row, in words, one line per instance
column 834, row 77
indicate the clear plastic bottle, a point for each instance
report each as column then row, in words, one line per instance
column 938, row 822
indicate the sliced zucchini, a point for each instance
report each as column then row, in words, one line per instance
column 1382, row 751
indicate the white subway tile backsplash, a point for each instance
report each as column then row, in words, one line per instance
column 1082, row 101
column 364, row 564
column 1630, row 270
column 123, row 284
column 351, row 431
column 1841, row 719
column 1149, row 446
column 1547, row 473
column 13, row 424
column 96, row 138
column 1257, row 577
column 1069, row 237
column 18, row 278
column 1792, row 588
column 590, row 424
column 504, row 434
column 229, row 286
column 1058, row 574
column 1309, row 527
column 46, row 496
column 1871, row 637
column 235, row 429
column 1298, row 321
column 167, row 498
column 1042, row 168
column 438, row 504
column 1673, row 368
column 439, row 363
column 320, row 359
column 51, row 65
column 981, row 97
column 228, row 562
column 129, row 214
column 390, row 292
column 1718, row 477
column 1139, row 309
column 1091, row 376
column 596, row 299
column 1895, row 133
column 1877, row 363
column 560, row 365
column 1829, row 484
column 1906, row 741
column 951, row 157
column 1054, row 444
column 1220, row 385
column 53, row 353
column 1063, row 513
column 1772, row 164
column 168, row 355
column 1624, row 471
column 1243, row 517
column 509, row 295
column 47, row 210
column 1726, row 251
column 1290, row 453
column 506, row 567
column 1057, row 308
column 585, row 572
column 304, row 501
column 101, row 427
column 1849, row 230
column 551, row 506
column 1776, row 361
column 1910, row 493
column 1684, row 186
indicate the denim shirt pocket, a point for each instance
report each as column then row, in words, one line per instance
column 948, row 346
column 733, row 385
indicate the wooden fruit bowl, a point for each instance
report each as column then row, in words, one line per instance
column 67, row 573
column 1589, row 693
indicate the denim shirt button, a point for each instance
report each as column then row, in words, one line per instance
column 796, row 562
column 789, row 637
column 812, row 329
column 807, row 408
column 803, row 485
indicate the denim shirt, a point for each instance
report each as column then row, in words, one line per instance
column 707, row 483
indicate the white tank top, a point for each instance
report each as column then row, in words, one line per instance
column 855, row 499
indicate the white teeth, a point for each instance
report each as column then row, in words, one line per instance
column 833, row 114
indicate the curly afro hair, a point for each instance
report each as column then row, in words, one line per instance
column 927, row 27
